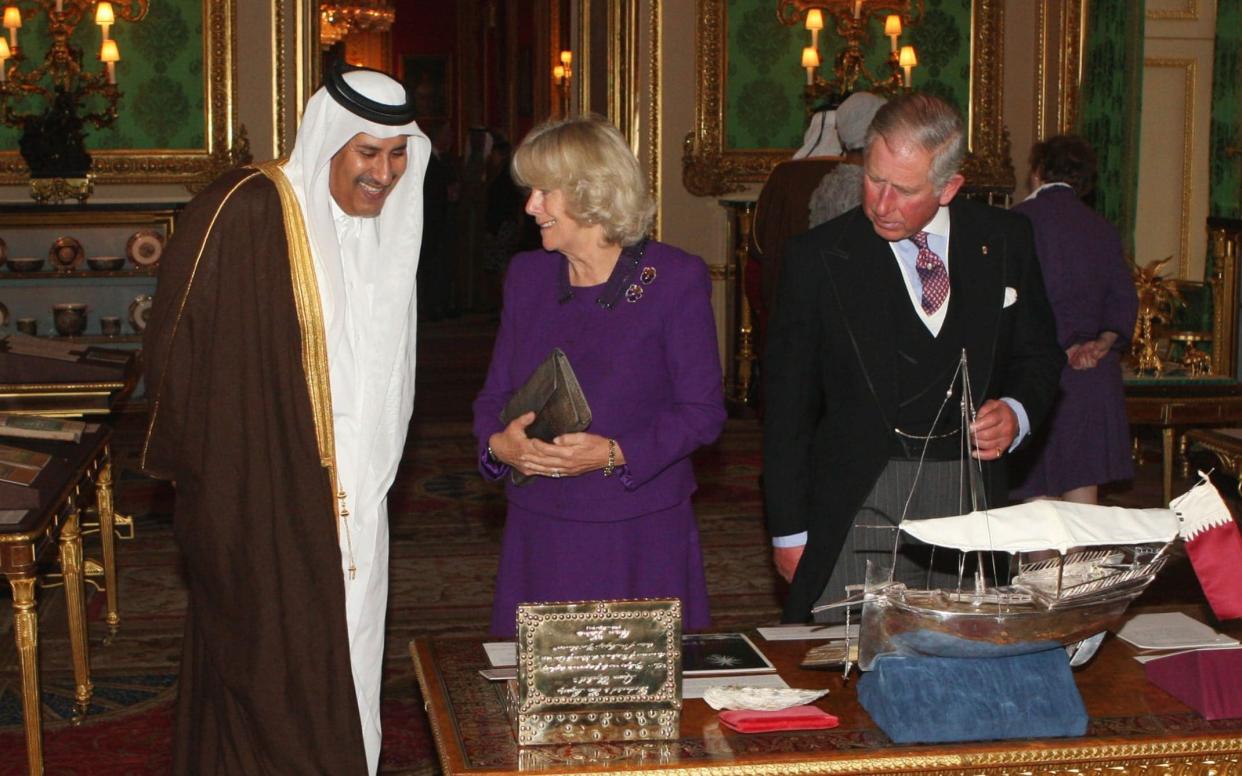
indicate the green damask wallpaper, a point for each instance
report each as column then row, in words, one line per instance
column 1112, row 88
column 160, row 76
column 763, row 80
column 1225, row 197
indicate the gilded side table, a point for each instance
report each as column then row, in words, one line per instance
column 49, row 517
column 1176, row 404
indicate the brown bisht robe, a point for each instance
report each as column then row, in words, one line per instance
column 266, row 685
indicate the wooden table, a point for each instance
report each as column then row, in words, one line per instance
column 1173, row 404
column 79, row 473
column 1225, row 444
column 52, row 388
column 1134, row 728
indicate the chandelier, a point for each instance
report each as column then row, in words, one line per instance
column 852, row 21
column 339, row 20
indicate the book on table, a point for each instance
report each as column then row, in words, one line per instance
column 20, row 466
column 35, row 427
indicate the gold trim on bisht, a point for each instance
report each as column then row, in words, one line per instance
column 314, row 342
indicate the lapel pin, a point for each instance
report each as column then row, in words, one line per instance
column 647, row 276
column 633, row 293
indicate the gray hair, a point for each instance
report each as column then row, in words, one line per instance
column 930, row 123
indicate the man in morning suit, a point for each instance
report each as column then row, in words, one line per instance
column 875, row 309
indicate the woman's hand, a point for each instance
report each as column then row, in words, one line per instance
column 1088, row 354
column 570, row 455
column 511, row 446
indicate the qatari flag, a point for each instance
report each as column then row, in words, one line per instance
column 1214, row 545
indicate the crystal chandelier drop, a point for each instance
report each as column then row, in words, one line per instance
column 339, row 20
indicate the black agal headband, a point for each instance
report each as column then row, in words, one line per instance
column 361, row 105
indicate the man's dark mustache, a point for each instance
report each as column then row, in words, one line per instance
column 368, row 180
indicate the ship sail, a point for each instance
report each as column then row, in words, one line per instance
column 1046, row 525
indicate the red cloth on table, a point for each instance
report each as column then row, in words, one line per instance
column 794, row 718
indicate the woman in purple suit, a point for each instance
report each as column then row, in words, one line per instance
column 606, row 513
column 1086, row 441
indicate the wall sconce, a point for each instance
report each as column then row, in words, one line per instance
column 852, row 20
column 907, row 60
column 51, row 99
column 562, row 74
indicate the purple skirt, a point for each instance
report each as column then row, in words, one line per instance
column 545, row 559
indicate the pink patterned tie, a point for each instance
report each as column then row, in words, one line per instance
column 932, row 273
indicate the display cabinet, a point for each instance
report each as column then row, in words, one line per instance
column 81, row 273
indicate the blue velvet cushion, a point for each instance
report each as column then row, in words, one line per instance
column 938, row 699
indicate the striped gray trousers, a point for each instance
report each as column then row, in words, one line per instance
column 940, row 489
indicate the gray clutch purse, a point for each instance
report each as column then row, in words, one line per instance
column 553, row 394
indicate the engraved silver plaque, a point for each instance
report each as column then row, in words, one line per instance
column 596, row 671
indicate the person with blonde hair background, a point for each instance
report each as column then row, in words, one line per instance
column 606, row 512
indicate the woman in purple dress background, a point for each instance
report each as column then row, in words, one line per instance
column 1086, row 441
column 606, row 513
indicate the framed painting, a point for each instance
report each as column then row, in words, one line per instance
column 177, row 119
column 748, row 110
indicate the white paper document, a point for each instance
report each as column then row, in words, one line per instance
column 1171, row 630
column 695, row 686
column 1162, row 655
column 806, row 632
column 501, row 653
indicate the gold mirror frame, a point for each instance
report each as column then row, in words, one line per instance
column 227, row 145
column 709, row 169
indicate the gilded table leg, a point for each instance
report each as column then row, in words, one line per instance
column 107, row 537
column 71, row 567
column 1166, row 463
column 26, row 634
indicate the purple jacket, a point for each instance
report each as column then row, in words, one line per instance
column 1085, row 272
column 643, row 346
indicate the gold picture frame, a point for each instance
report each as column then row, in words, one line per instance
column 709, row 168
column 226, row 141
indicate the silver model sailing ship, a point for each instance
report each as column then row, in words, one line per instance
column 1105, row 557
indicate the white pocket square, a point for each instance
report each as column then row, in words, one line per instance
column 1011, row 296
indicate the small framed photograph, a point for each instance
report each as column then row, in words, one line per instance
column 722, row 653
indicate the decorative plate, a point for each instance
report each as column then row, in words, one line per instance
column 759, row 698
column 144, row 247
column 139, row 309
column 66, row 254
column 4, row 251
column 4, row 316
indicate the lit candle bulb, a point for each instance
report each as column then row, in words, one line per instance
column 815, row 23
column 857, row 8
column 110, row 55
column 104, row 17
column 12, row 20
column 907, row 60
column 810, row 61
column 558, row 73
column 5, row 53
column 892, row 28
column 567, row 58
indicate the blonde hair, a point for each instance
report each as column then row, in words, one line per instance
column 588, row 160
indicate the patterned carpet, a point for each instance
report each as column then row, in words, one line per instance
column 446, row 526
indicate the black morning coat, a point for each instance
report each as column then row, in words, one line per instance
column 830, row 366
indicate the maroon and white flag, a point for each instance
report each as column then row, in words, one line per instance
column 1214, row 546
